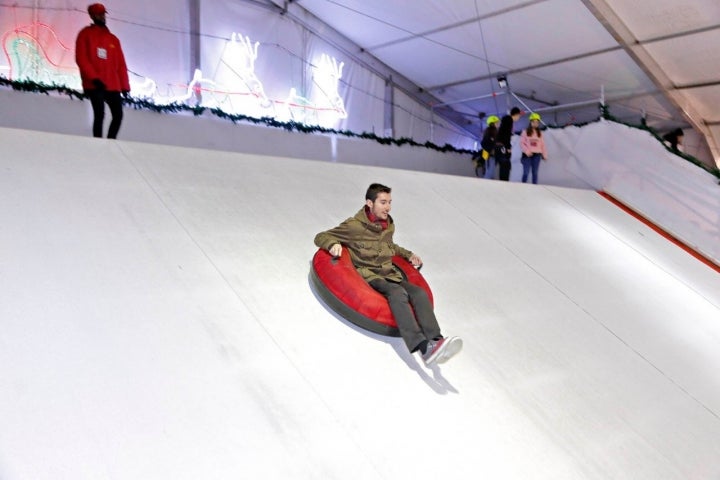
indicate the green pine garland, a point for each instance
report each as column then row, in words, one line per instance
column 139, row 104
column 40, row 88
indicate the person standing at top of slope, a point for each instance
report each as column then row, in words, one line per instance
column 368, row 236
column 503, row 150
column 532, row 144
column 674, row 139
column 103, row 71
column 488, row 144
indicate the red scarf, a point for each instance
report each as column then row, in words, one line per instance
column 374, row 219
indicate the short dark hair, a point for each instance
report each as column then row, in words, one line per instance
column 374, row 189
column 514, row 111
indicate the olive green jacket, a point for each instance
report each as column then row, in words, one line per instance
column 371, row 248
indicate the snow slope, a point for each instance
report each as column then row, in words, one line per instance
column 158, row 322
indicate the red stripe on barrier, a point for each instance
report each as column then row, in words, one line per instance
column 707, row 261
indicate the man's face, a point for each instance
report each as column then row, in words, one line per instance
column 98, row 18
column 381, row 206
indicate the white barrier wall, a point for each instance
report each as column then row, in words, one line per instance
column 632, row 166
column 63, row 115
column 627, row 163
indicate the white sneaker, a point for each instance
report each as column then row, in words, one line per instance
column 440, row 351
column 450, row 348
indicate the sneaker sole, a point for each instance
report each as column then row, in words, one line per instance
column 451, row 348
column 432, row 360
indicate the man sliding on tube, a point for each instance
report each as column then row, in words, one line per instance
column 368, row 236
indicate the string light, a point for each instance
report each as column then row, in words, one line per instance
column 241, row 93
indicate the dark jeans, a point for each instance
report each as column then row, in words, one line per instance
column 505, row 165
column 531, row 164
column 98, row 99
column 412, row 310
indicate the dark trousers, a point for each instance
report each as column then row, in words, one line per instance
column 505, row 165
column 98, row 99
column 531, row 164
column 412, row 310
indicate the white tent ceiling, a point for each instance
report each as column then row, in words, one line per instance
column 652, row 58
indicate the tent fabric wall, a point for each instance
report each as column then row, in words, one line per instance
column 411, row 119
column 155, row 40
column 273, row 71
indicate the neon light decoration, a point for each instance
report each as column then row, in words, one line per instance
column 235, row 90
column 29, row 59
column 36, row 53
column 327, row 76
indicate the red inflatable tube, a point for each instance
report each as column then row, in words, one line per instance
column 343, row 290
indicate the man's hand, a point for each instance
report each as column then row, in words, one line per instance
column 336, row 250
column 126, row 94
column 98, row 84
column 415, row 260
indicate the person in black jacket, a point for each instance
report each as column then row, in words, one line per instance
column 503, row 150
column 674, row 139
column 488, row 146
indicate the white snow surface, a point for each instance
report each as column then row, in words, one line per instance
column 157, row 321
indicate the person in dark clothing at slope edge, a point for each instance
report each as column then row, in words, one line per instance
column 488, row 143
column 103, row 71
column 674, row 139
column 503, row 150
